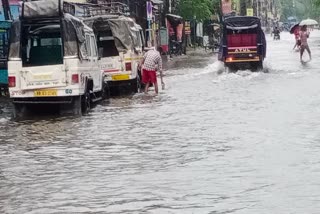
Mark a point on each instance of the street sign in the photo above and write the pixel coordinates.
(187, 27)
(249, 11)
(149, 10)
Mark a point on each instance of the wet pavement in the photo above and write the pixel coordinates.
(210, 143)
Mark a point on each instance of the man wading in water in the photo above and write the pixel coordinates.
(150, 64)
(304, 35)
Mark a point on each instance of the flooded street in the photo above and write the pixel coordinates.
(210, 143)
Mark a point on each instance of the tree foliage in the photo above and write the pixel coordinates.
(317, 3)
(302, 9)
(199, 9)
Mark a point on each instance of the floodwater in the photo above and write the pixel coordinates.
(210, 143)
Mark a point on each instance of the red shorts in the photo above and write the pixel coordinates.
(149, 76)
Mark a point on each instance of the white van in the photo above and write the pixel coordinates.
(53, 59)
(120, 43)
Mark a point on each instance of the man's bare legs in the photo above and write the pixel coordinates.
(309, 52)
(156, 88)
(303, 48)
(146, 89)
(301, 52)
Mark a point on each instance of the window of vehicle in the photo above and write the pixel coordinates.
(139, 41)
(94, 46)
(42, 46)
(142, 38)
(88, 45)
(106, 45)
(4, 44)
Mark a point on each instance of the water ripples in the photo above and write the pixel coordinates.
(211, 142)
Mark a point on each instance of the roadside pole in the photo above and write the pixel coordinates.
(149, 24)
(220, 11)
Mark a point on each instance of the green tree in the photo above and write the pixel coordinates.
(300, 8)
(199, 9)
(317, 3)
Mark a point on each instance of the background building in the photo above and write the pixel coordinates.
(266, 10)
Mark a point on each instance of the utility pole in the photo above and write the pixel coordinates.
(257, 8)
(294, 8)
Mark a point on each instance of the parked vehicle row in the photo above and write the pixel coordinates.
(57, 58)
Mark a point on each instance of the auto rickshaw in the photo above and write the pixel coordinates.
(243, 44)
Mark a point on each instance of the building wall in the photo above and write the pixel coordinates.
(14, 9)
(264, 9)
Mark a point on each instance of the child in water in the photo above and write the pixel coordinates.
(297, 37)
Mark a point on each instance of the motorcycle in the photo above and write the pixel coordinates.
(276, 37)
(176, 48)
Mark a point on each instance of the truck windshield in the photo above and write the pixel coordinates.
(42, 46)
(106, 44)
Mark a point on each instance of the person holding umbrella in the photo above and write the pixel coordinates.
(304, 35)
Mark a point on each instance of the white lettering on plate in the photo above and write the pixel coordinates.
(107, 66)
(15, 93)
(242, 50)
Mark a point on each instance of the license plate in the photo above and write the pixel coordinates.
(45, 93)
(107, 66)
(121, 77)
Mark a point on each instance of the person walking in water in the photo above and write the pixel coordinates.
(150, 64)
(297, 38)
(304, 35)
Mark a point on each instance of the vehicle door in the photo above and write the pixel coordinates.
(95, 71)
(136, 53)
(87, 62)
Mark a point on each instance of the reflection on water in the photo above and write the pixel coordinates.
(229, 143)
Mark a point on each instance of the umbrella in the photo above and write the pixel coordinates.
(308, 22)
(293, 28)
